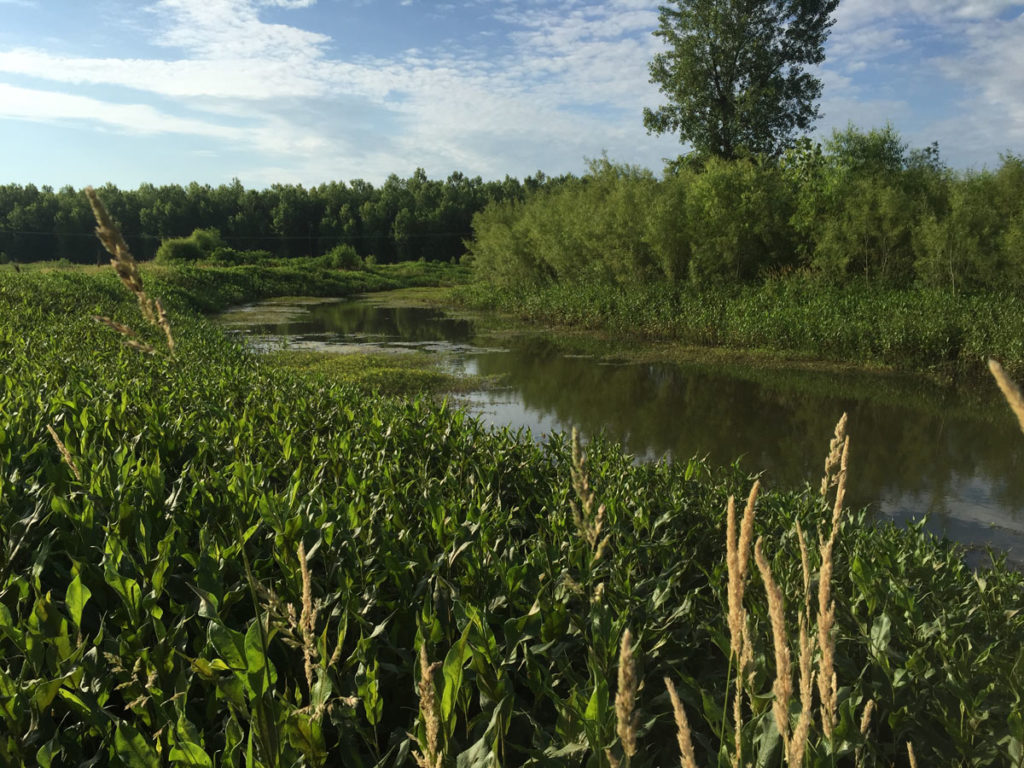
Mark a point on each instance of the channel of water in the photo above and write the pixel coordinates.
(916, 449)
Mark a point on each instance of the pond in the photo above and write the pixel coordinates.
(917, 449)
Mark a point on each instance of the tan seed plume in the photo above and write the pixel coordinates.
(827, 685)
(589, 521)
(625, 697)
(65, 453)
(737, 555)
(307, 619)
(783, 686)
(430, 754)
(687, 759)
(865, 723)
(834, 454)
(127, 270)
(1010, 391)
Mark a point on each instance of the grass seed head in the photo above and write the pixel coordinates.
(625, 696)
(783, 687)
(834, 456)
(430, 754)
(65, 453)
(687, 759)
(1010, 391)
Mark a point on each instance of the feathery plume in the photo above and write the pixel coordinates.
(127, 270)
(307, 619)
(687, 759)
(737, 556)
(1010, 390)
(865, 723)
(625, 697)
(834, 455)
(783, 687)
(429, 755)
(589, 522)
(65, 453)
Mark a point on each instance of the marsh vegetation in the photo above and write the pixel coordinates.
(208, 560)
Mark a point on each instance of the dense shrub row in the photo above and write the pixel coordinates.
(861, 206)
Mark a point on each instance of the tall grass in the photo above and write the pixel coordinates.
(920, 329)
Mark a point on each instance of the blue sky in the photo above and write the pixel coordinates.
(306, 91)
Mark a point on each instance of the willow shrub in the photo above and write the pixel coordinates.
(737, 219)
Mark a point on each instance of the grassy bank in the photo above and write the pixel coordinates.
(792, 317)
(215, 561)
(399, 374)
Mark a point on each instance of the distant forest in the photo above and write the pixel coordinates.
(401, 220)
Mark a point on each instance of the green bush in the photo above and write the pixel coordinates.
(201, 244)
(178, 250)
(342, 256)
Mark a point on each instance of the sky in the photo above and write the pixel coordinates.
(310, 91)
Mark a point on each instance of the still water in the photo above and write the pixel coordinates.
(916, 449)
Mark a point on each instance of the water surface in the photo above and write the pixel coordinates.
(916, 450)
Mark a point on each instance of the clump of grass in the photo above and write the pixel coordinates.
(796, 737)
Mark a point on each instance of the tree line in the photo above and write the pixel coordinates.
(861, 205)
(400, 220)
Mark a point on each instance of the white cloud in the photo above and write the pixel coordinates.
(216, 29)
(453, 109)
(48, 106)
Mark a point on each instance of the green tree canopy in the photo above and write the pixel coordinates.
(734, 72)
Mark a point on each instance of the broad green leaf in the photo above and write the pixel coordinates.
(44, 693)
(46, 753)
(189, 753)
(230, 645)
(134, 749)
(257, 671)
(452, 671)
(76, 597)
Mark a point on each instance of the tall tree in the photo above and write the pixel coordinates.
(734, 72)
